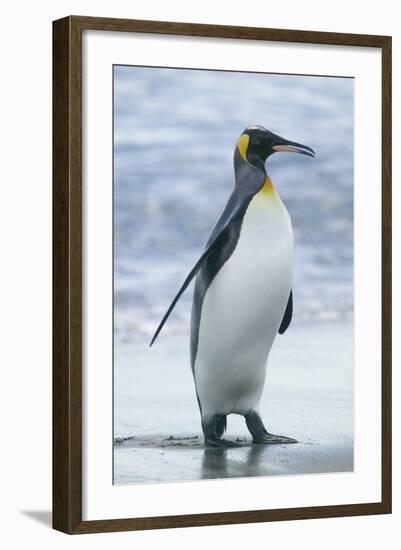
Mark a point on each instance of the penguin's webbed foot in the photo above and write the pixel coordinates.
(213, 428)
(259, 433)
(218, 443)
(267, 438)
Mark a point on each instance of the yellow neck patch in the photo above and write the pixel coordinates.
(268, 187)
(242, 145)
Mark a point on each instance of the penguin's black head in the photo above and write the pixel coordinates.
(256, 144)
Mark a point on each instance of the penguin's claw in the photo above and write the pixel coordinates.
(268, 438)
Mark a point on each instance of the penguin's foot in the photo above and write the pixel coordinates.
(259, 433)
(213, 428)
(266, 439)
(218, 443)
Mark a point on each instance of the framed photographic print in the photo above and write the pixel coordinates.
(222, 274)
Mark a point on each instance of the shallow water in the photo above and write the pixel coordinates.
(175, 132)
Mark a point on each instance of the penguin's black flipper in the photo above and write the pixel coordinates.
(285, 323)
(223, 239)
(215, 244)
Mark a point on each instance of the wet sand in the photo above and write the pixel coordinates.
(308, 395)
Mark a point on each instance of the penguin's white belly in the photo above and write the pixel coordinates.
(242, 310)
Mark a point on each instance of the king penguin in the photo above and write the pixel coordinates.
(243, 293)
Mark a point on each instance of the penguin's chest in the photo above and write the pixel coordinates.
(243, 308)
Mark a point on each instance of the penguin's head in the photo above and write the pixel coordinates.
(256, 144)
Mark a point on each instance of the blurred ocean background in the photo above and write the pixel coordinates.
(174, 136)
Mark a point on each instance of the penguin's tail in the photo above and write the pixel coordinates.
(221, 426)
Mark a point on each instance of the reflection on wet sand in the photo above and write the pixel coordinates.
(247, 461)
